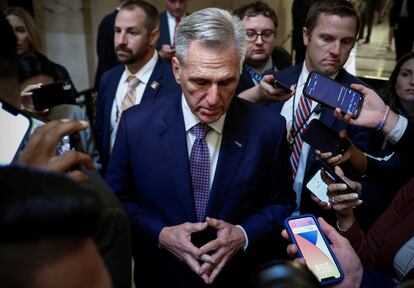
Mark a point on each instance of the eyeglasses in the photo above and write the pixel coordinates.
(266, 35)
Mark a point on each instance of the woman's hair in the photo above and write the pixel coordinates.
(34, 64)
(29, 23)
(389, 92)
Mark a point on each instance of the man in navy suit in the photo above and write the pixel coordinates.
(136, 34)
(248, 182)
(169, 19)
(329, 34)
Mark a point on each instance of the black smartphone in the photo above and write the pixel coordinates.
(330, 172)
(278, 84)
(323, 138)
(14, 130)
(50, 95)
(333, 94)
(305, 232)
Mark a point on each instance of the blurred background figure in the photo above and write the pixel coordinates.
(299, 10)
(28, 39)
(169, 20)
(402, 20)
(35, 70)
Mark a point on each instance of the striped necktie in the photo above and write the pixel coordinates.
(301, 116)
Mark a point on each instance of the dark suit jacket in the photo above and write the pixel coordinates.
(162, 74)
(105, 46)
(366, 139)
(149, 172)
(164, 31)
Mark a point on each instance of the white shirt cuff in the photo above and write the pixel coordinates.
(398, 131)
(245, 237)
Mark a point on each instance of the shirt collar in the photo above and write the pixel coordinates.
(190, 120)
(145, 72)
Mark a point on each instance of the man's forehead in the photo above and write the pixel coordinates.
(336, 22)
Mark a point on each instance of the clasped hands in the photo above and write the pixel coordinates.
(208, 260)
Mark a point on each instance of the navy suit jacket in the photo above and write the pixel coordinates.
(368, 140)
(164, 31)
(149, 172)
(162, 74)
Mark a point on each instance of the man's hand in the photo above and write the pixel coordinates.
(177, 240)
(230, 239)
(167, 52)
(40, 151)
(344, 252)
(266, 92)
(372, 111)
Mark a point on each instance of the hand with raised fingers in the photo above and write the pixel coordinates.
(218, 252)
(177, 240)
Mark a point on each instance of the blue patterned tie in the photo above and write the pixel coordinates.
(200, 170)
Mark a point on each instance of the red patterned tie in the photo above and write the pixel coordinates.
(200, 170)
(299, 124)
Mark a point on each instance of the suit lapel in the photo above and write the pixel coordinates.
(174, 147)
(155, 81)
(232, 148)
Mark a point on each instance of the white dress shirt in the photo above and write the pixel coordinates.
(143, 75)
(171, 27)
(288, 111)
(213, 139)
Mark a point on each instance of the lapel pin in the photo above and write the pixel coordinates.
(154, 85)
(238, 144)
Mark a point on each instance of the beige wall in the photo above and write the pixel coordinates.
(69, 29)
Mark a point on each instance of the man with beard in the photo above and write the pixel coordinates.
(142, 75)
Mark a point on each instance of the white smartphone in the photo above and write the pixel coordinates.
(14, 130)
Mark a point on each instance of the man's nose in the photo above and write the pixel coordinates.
(335, 48)
(213, 95)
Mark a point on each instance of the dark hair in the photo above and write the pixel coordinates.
(150, 10)
(34, 64)
(257, 8)
(391, 97)
(341, 8)
(35, 204)
(8, 51)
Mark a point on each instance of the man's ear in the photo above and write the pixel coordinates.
(306, 36)
(176, 69)
(155, 34)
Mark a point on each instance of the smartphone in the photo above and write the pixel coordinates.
(333, 94)
(278, 84)
(330, 172)
(14, 130)
(305, 232)
(323, 138)
(50, 95)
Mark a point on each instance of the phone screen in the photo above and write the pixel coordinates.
(331, 93)
(314, 248)
(14, 128)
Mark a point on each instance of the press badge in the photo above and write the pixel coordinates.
(318, 187)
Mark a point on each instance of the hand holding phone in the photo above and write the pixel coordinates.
(333, 94)
(312, 245)
(323, 138)
(50, 95)
(280, 85)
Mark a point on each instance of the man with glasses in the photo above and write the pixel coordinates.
(260, 22)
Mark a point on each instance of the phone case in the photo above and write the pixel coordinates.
(287, 227)
(358, 109)
(323, 138)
